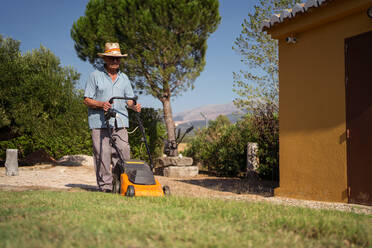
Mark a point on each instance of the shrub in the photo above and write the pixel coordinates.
(265, 125)
(154, 130)
(221, 148)
(40, 107)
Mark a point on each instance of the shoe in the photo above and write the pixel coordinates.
(107, 190)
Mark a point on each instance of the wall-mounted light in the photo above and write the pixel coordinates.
(369, 12)
(291, 39)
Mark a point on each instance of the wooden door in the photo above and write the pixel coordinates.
(358, 59)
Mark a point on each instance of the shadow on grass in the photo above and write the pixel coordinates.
(236, 185)
(83, 186)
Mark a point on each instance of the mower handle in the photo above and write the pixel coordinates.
(134, 99)
(110, 113)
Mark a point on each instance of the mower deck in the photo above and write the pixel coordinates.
(140, 190)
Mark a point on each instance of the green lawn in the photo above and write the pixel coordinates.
(91, 219)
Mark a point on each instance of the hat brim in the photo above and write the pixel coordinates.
(112, 55)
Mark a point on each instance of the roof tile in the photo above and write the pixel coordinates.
(274, 19)
(299, 7)
(286, 13)
(290, 13)
(310, 4)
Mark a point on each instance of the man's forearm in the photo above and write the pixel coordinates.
(93, 103)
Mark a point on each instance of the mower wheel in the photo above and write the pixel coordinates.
(130, 191)
(116, 184)
(166, 190)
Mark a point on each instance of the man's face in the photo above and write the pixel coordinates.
(112, 63)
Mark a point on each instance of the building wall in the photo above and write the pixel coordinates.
(313, 160)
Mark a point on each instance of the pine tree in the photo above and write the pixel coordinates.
(258, 86)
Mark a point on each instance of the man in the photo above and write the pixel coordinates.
(101, 86)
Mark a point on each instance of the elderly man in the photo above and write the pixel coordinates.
(101, 86)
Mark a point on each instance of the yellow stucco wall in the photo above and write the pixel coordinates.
(313, 161)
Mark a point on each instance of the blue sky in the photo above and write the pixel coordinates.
(48, 23)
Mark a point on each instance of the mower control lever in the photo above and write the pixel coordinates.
(111, 113)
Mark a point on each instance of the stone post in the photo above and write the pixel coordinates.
(11, 162)
(252, 158)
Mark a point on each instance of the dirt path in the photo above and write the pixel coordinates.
(83, 177)
(76, 178)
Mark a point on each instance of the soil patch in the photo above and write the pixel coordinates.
(39, 156)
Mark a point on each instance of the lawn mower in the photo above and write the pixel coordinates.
(133, 177)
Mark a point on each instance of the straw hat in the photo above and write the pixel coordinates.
(112, 50)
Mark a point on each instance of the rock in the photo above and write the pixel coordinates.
(76, 160)
(180, 171)
(174, 161)
(11, 163)
(176, 167)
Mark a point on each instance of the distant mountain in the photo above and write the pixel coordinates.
(195, 118)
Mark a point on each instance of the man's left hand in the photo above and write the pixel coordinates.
(136, 107)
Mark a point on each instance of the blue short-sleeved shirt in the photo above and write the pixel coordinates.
(100, 87)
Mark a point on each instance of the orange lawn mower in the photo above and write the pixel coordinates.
(133, 177)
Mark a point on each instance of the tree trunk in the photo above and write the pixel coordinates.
(169, 123)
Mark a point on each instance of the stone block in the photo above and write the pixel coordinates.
(252, 157)
(180, 171)
(174, 161)
(11, 162)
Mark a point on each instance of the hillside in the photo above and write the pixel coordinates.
(194, 117)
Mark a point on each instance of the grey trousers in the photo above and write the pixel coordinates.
(104, 154)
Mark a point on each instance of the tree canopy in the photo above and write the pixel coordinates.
(166, 42)
(258, 86)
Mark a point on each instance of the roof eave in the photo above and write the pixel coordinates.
(311, 16)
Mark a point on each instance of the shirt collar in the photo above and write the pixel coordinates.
(105, 71)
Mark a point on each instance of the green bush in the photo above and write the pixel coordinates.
(40, 107)
(154, 130)
(265, 126)
(221, 148)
